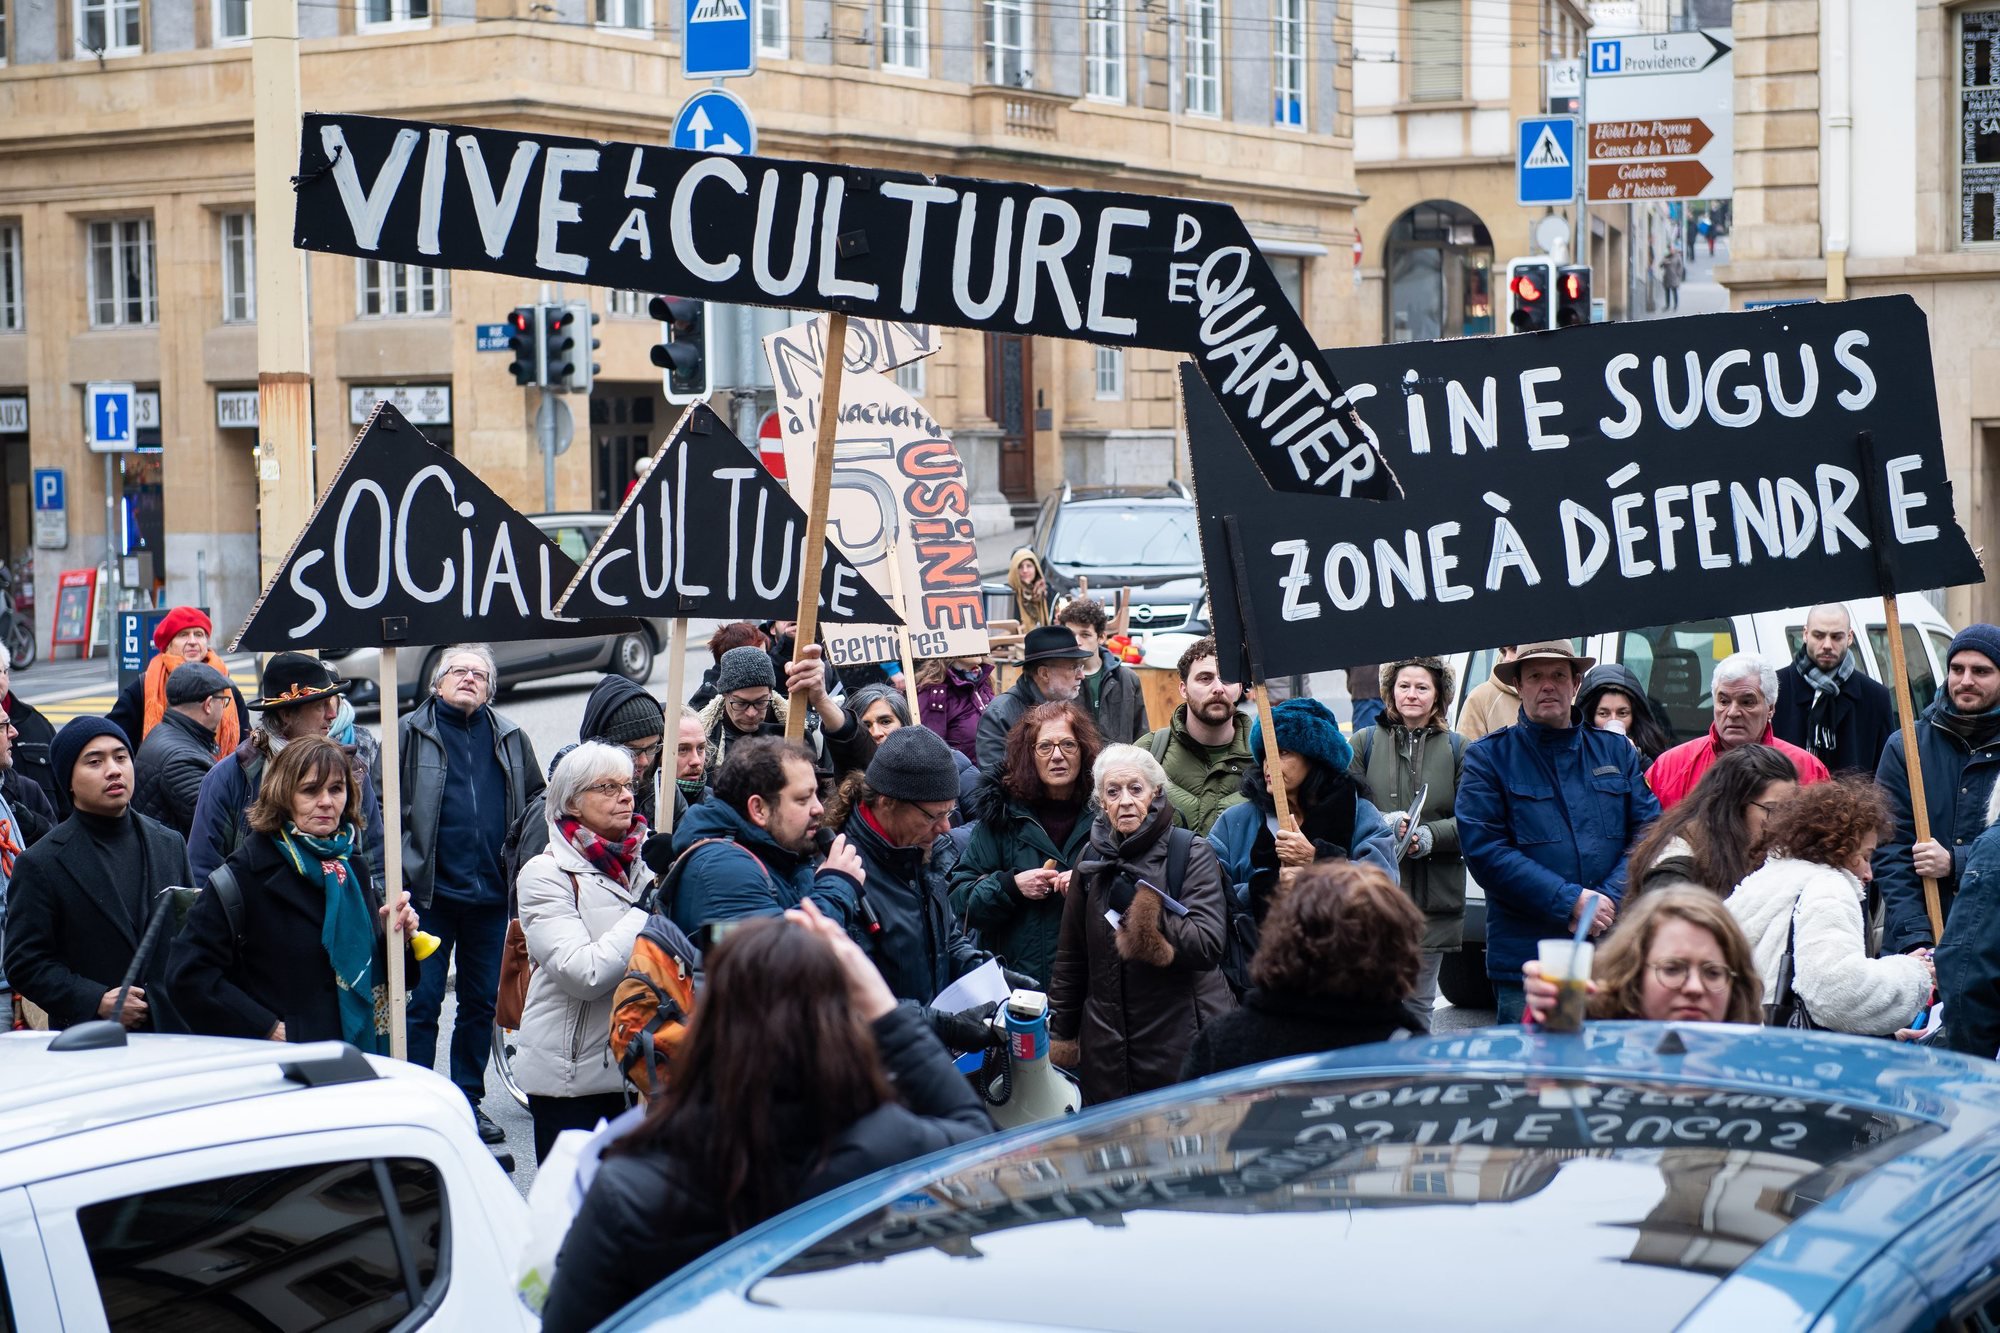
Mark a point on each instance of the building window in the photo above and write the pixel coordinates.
(626, 304)
(1007, 43)
(1437, 51)
(107, 27)
(625, 15)
(910, 378)
(1105, 31)
(388, 15)
(1288, 63)
(903, 39)
(392, 290)
(1979, 127)
(773, 37)
(1201, 52)
(239, 268)
(122, 293)
(232, 22)
(13, 313)
(1110, 373)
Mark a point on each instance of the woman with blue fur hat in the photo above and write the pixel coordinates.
(1331, 815)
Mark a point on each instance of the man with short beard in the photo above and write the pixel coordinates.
(1205, 746)
(1051, 672)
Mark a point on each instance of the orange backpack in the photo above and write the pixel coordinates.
(651, 1008)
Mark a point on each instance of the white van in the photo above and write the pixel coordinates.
(1674, 664)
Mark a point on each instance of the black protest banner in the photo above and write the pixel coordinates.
(1607, 477)
(408, 546)
(708, 532)
(1119, 269)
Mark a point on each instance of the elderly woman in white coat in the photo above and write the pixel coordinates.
(580, 909)
(1808, 895)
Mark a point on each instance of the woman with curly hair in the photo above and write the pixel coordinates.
(1706, 840)
(1676, 955)
(1338, 960)
(1030, 823)
(1806, 898)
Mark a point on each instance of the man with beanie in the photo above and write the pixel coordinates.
(299, 696)
(893, 816)
(1051, 671)
(1826, 704)
(177, 754)
(468, 772)
(748, 702)
(619, 712)
(1546, 814)
(183, 635)
(1958, 744)
(80, 899)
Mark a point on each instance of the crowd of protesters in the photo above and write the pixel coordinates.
(1190, 897)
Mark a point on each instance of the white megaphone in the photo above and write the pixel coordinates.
(1028, 1088)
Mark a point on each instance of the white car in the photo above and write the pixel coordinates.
(202, 1183)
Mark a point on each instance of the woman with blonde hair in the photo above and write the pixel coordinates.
(1675, 955)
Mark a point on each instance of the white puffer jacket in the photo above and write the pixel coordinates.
(1843, 988)
(580, 938)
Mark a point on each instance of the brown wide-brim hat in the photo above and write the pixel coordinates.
(1555, 650)
(291, 679)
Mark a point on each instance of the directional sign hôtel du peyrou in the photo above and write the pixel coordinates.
(1659, 110)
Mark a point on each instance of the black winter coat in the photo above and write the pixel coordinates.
(1864, 716)
(70, 935)
(282, 973)
(168, 769)
(1273, 1026)
(31, 751)
(30, 805)
(918, 947)
(646, 1217)
(130, 710)
(1006, 838)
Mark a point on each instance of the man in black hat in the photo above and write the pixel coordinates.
(298, 696)
(178, 753)
(1051, 671)
(80, 899)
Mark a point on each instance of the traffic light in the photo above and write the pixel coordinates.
(683, 350)
(524, 339)
(1573, 295)
(558, 345)
(1531, 294)
(582, 370)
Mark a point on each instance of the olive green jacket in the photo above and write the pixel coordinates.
(1436, 883)
(1200, 790)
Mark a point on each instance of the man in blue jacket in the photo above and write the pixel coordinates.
(1958, 744)
(756, 857)
(1546, 814)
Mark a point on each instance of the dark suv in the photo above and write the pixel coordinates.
(1137, 537)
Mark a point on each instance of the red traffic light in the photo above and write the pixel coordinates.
(1526, 288)
(521, 320)
(1572, 286)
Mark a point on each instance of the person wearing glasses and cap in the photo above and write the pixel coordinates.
(750, 702)
(178, 753)
(468, 773)
(299, 695)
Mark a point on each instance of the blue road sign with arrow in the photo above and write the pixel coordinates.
(715, 121)
(110, 408)
(1545, 160)
(717, 42)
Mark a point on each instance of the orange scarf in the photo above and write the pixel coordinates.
(227, 733)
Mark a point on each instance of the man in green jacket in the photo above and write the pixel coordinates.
(1206, 747)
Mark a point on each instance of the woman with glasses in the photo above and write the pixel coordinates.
(1030, 823)
(883, 709)
(580, 910)
(1706, 841)
(1677, 955)
(1806, 900)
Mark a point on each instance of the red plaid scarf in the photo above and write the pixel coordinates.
(10, 848)
(610, 858)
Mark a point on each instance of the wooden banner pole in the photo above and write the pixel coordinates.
(1274, 772)
(894, 557)
(1899, 672)
(392, 847)
(670, 736)
(814, 546)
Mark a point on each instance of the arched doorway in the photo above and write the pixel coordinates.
(1440, 266)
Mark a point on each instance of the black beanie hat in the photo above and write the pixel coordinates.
(637, 718)
(75, 734)
(914, 764)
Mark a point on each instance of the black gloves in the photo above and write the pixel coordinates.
(967, 1030)
(1019, 980)
(1123, 890)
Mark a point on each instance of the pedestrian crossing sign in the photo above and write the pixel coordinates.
(1545, 160)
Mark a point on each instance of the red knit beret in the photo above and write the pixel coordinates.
(176, 620)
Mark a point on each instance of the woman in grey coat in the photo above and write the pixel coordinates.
(1408, 750)
(1128, 1000)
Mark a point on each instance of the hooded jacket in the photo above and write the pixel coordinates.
(1958, 780)
(426, 777)
(1843, 988)
(645, 1217)
(754, 877)
(952, 708)
(1007, 838)
(580, 925)
(908, 926)
(1200, 788)
(1031, 609)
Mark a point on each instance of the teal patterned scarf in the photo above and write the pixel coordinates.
(349, 932)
